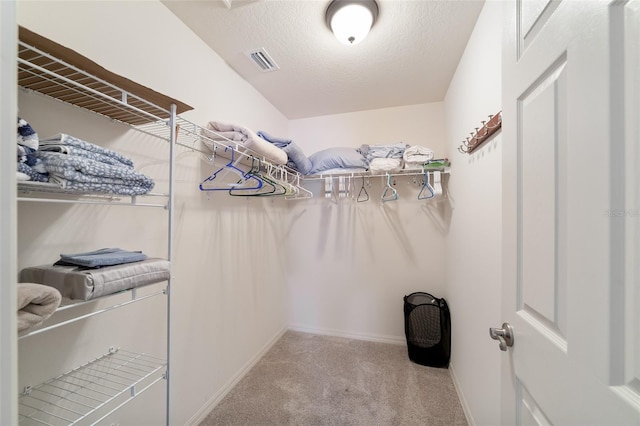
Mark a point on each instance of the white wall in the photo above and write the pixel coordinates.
(351, 263)
(228, 297)
(473, 256)
(413, 124)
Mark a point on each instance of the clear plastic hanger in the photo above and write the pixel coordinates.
(390, 193)
(301, 193)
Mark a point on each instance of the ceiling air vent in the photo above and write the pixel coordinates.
(263, 60)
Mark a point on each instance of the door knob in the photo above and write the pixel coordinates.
(503, 335)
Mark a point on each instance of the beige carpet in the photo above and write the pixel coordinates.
(307, 379)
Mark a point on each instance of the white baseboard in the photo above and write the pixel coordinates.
(202, 413)
(395, 340)
(463, 401)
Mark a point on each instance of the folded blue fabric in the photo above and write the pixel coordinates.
(297, 159)
(33, 174)
(103, 257)
(26, 135)
(279, 142)
(63, 141)
(83, 169)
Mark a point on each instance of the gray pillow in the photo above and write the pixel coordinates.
(334, 158)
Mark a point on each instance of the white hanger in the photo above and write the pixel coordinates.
(437, 185)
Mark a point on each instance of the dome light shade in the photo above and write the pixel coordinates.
(351, 20)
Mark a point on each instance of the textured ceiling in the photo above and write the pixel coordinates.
(409, 56)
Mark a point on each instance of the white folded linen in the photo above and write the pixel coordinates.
(36, 303)
(386, 165)
(218, 131)
(417, 154)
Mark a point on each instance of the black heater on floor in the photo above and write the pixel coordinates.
(427, 327)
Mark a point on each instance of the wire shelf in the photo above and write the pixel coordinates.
(42, 192)
(87, 391)
(73, 304)
(55, 71)
(367, 174)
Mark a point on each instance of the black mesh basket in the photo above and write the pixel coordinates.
(427, 327)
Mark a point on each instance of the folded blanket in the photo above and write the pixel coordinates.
(72, 150)
(216, 131)
(26, 155)
(26, 135)
(382, 151)
(102, 257)
(78, 282)
(85, 170)
(36, 303)
(279, 142)
(29, 167)
(227, 136)
(34, 162)
(418, 154)
(32, 174)
(99, 187)
(61, 140)
(379, 165)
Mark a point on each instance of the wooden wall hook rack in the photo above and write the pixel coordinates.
(482, 134)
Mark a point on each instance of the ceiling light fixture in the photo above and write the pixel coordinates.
(351, 20)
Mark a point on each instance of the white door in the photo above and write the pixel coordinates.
(571, 212)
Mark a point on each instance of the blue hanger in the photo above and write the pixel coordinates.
(244, 177)
(428, 186)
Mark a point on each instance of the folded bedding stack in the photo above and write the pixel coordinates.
(383, 158)
(98, 273)
(415, 157)
(225, 133)
(36, 303)
(29, 166)
(80, 166)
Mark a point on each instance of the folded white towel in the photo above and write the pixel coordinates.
(379, 165)
(36, 303)
(417, 154)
